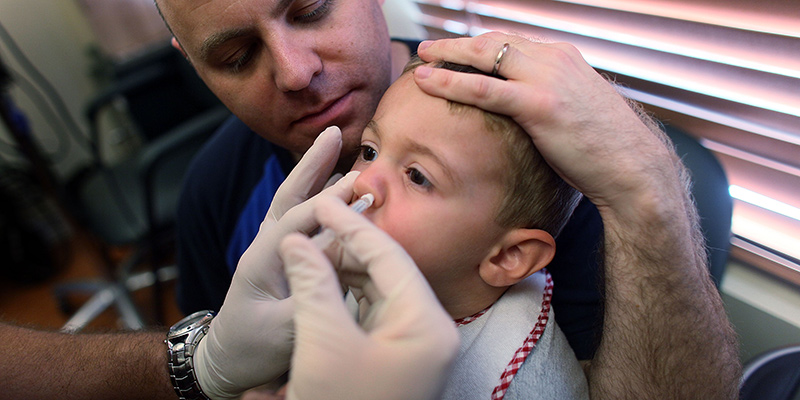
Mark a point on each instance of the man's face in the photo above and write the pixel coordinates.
(437, 181)
(288, 68)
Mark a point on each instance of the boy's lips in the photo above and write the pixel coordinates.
(325, 115)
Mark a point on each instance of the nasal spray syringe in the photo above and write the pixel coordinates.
(326, 236)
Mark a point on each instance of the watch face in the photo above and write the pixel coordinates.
(187, 323)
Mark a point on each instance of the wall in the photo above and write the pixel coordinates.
(400, 16)
(764, 311)
(55, 37)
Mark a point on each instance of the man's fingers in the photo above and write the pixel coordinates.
(479, 52)
(485, 92)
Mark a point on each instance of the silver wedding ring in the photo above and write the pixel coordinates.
(499, 59)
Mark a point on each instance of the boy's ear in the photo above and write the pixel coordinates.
(520, 253)
(175, 44)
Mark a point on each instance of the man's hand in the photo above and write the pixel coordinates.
(250, 341)
(405, 348)
(577, 120)
(665, 332)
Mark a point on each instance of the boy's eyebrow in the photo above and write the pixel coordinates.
(421, 149)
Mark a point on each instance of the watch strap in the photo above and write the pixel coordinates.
(181, 350)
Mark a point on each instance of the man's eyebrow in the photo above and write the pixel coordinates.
(419, 148)
(217, 39)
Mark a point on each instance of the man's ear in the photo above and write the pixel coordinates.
(520, 253)
(178, 46)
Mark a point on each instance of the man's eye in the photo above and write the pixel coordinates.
(418, 178)
(318, 10)
(368, 153)
(241, 60)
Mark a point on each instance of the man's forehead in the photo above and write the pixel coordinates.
(203, 25)
(195, 14)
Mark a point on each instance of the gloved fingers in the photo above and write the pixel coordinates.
(368, 249)
(260, 265)
(310, 174)
(399, 356)
(320, 312)
(227, 364)
(333, 179)
(302, 218)
(361, 285)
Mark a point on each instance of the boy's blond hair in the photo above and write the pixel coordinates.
(535, 196)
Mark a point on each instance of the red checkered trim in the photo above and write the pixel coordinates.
(527, 346)
(463, 321)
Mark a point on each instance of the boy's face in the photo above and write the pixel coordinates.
(437, 178)
(289, 68)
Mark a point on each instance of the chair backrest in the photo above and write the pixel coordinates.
(773, 375)
(711, 194)
(160, 90)
(174, 112)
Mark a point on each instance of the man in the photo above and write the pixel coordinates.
(288, 69)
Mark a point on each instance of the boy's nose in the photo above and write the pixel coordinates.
(371, 181)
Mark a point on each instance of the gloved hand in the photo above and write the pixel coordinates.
(403, 352)
(250, 341)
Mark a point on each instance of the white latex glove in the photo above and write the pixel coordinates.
(250, 341)
(406, 349)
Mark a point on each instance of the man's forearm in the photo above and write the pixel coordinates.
(49, 365)
(666, 334)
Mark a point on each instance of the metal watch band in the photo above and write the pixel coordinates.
(182, 341)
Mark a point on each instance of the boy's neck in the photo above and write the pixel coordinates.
(476, 300)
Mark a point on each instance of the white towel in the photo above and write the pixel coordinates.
(496, 341)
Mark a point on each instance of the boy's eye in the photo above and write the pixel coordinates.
(418, 178)
(368, 153)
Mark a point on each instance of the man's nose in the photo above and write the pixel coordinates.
(295, 65)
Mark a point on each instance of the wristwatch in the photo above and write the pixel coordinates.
(182, 340)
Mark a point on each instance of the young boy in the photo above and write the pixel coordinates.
(475, 205)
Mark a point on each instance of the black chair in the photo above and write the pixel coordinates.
(773, 375)
(711, 194)
(133, 202)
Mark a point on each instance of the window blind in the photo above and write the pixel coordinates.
(727, 72)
